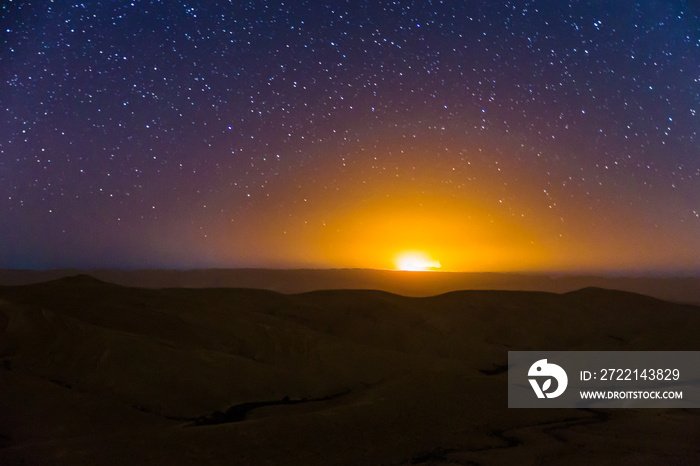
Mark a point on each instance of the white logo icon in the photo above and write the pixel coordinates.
(542, 368)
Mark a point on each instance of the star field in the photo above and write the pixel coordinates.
(527, 135)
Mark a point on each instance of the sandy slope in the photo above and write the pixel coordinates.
(94, 373)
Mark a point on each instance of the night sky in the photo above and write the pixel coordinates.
(487, 136)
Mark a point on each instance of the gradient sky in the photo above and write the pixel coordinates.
(488, 136)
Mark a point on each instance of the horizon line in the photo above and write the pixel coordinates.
(651, 273)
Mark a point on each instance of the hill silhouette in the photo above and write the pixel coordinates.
(685, 289)
(97, 373)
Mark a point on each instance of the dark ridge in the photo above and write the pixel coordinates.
(349, 292)
(590, 290)
(81, 279)
(508, 440)
(61, 383)
(240, 412)
(495, 369)
(490, 292)
(607, 292)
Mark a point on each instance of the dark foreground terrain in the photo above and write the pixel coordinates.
(95, 373)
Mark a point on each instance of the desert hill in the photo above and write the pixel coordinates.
(97, 373)
(682, 288)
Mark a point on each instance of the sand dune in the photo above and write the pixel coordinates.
(96, 373)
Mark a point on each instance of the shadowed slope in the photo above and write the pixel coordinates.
(95, 373)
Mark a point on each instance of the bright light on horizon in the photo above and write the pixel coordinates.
(416, 262)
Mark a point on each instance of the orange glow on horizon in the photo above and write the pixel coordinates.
(416, 262)
(368, 225)
(425, 234)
